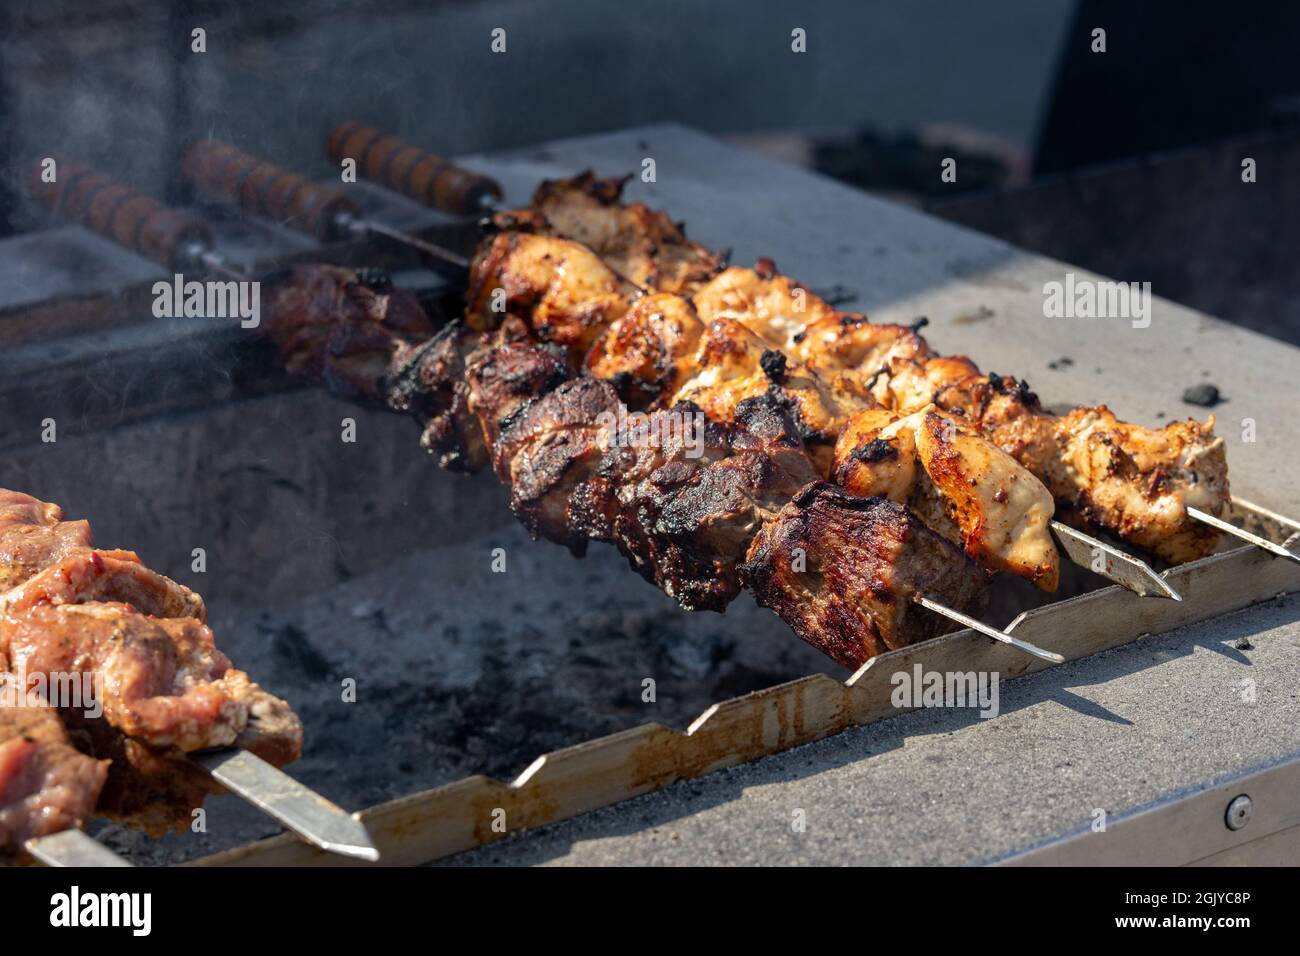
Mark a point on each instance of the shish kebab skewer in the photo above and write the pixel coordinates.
(169, 699)
(630, 236)
(237, 176)
(209, 164)
(746, 509)
(1134, 482)
(178, 241)
(603, 219)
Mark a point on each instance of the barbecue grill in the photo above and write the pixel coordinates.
(311, 538)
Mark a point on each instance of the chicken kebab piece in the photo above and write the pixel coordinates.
(71, 611)
(700, 507)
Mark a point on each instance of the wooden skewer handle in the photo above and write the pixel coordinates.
(409, 170)
(264, 189)
(120, 213)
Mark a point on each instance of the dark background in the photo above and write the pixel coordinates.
(1127, 162)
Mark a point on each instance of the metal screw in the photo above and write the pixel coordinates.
(1239, 812)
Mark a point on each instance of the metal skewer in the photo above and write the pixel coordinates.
(987, 631)
(364, 227)
(1122, 568)
(261, 188)
(1243, 534)
(301, 809)
(72, 848)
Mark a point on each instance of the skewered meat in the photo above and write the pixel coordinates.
(1135, 482)
(734, 364)
(648, 354)
(91, 575)
(683, 498)
(567, 293)
(842, 572)
(339, 326)
(641, 244)
(456, 377)
(965, 488)
(163, 686)
(164, 682)
(46, 784)
(33, 535)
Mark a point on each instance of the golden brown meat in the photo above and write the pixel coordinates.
(567, 295)
(641, 244)
(1135, 482)
(648, 353)
(842, 571)
(33, 535)
(961, 485)
(734, 364)
(772, 306)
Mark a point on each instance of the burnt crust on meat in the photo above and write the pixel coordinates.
(842, 572)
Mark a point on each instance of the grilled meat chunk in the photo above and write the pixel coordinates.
(428, 382)
(772, 306)
(562, 289)
(164, 681)
(86, 576)
(340, 327)
(500, 381)
(548, 449)
(963, 486)
(649, 353)
(683, 496)
(33, 535)
(842, 572)
(734, 364)
(164, 687)
(641, 244)
(1133, 481)
(46, 784)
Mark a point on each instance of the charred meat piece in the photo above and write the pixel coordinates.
(548, 448)
(340, 327)
(842, 572)
(428, 382)
(682, 496)
(734, 364)
(500, 381)
(46, 784)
